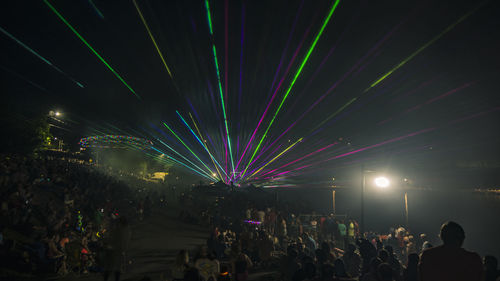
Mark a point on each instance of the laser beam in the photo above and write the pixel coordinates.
(304, 61)
(182, 156)
(207, 5)
(277, 156)
(152, 37)
(198, 139)
(185, 145)
(177, 161)
(40, 57)
(206, 147)
(90, 47)
(419, 50)
(301, 158)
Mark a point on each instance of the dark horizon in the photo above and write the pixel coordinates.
(405, 88)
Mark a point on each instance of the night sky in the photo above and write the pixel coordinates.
(407, 87)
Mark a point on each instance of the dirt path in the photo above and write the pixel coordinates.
(155, 242)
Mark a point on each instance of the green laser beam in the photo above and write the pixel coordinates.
(207, 5)
(223, 105)
(419, 50)
(299, 70)
(434, 39)
(90, 47)
(209, 17)
(178, 138)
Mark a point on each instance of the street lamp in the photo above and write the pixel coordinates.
(381, 182)
(55, 113)
(333, 196)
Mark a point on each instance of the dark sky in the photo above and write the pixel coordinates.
(450, 87)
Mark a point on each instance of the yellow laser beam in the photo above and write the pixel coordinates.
(277, 156)
(152, 38)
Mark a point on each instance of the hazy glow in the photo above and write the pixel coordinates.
(382, 182)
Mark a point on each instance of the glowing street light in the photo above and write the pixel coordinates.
(58, 113)
(382, 182)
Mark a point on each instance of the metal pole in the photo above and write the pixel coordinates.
(406, 208)
(363, 183)
(333, 201)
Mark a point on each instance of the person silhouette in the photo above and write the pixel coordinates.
(450, 262)
(491, 272)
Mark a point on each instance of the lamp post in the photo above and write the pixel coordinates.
(406, 183)
(406, 209)
(363, 186)
(381, 182)
(333, 196)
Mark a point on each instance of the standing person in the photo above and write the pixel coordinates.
(266, 247)
(248, 214)
(339, 269)
(394, 262)
(281, 230)
(343, 232)
(208, 266)
(371, 275)
(491, 272)
(367, 252)
(118, 242)
(56, 255)
(450, 262)
(384, 272)
(180, 266)
(289, 264)
(261, 215)
(352, 261)
(351, 232)
(272, 221)
(410, 273)
(293, 229)
(330, 225)
(241, 263)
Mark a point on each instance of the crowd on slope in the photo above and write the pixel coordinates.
(61, 216)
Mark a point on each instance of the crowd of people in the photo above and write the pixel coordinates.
(266, 236)
(60, 216)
